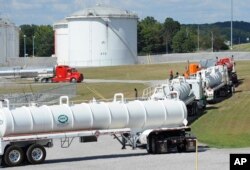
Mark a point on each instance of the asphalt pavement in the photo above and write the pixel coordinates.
(107, 154)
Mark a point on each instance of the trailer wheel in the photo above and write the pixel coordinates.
(36, 154)
(73, 80)
(13, 156)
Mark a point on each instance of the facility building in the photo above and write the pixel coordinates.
(97, 36)
(9, 40)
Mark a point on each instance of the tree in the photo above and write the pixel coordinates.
(170, 28)
(44, 43)
(149, 32)
(183, 41)
(28, 31)
(44, 40)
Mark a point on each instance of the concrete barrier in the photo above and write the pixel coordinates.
(149, 59)
(193, 57)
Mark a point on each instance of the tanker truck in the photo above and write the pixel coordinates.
(227, 61)
(60, 73)
(26, 131)
(216, 82)
(190, 91)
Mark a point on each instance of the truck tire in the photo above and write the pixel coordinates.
(153, 145)
(13, 156)
(44, 80)
(73, 80)
(49, 80)
(149, 145)
(36, 154)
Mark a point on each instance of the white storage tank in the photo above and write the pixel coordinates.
(62, 41)
(99, 36)
(9, 40)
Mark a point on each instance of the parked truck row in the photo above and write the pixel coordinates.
(157, 121)
(201, 83)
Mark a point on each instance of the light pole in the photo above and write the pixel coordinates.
(33, 42)
(212, 41)
(198, 38)
(231, 24)
(24, 46)
(166, 46)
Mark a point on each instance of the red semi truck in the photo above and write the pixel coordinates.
(61, 73)
(65, 73)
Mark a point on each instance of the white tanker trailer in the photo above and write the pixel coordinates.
(216, 82)
(26, 131)
(37, 73)
(188, 90)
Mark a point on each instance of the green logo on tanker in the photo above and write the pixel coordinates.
(63, 119)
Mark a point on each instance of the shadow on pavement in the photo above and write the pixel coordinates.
(93, 158)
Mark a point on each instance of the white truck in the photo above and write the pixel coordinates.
(26, 131)
(190, 91)
(216, 82)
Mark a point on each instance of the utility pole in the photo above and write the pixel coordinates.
(231, 25)
(212, 41)
(198, 38)
(33, 40)
(24, 46)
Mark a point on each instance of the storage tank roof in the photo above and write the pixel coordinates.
(100, 11)
(5, 21)
(61, 22)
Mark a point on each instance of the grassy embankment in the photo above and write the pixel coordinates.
(137, 72)
(242, 47)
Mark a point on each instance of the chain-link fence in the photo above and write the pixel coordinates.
(40, 94)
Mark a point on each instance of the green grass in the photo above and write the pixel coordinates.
(25, 87)
(242, 47)
(133, 72)
(106, 90)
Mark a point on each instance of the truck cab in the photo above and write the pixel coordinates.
(65, 73)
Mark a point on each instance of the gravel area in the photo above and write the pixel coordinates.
(107, 154)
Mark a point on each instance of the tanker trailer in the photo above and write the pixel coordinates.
(38, 74)
(28, 130)
(216, 82)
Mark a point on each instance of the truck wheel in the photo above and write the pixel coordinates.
(149, 145)
(13, 156)
(36, 154)
(73, 80)
(153, 145)
(44, 80)
(49, 80)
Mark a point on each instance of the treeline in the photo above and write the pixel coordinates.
(172, 37)
(153, 37)
(42, 36)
